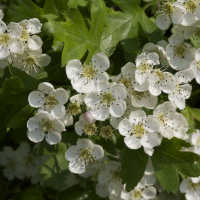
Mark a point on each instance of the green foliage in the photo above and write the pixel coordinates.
(168, 160)
(34, 194)
(134, 163)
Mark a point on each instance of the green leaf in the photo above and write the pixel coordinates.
(34, 194)
(82, 181)
(56, 170)
(168, 160)
(74, 33)
(126, 27)
(134, 163)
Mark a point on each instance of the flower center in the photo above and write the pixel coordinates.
(89, 72)
(126, 82)
(90, 129)
(51, 101)
(29, 60)
(4, 39)
(143, 67)
(161, 118)
(180, 50)
(178, 89)
(191, 5)
(47, 125)
(198, 141)
(107, 98)
(74, 108)
(106, 132)
(198, 65)
(159, 73)
(86, 154)
(24, 35)
(168, 8)
(136, 194)
(138, 131)
(197, 32)
(137, 94)
(193, 185)
(116, 175)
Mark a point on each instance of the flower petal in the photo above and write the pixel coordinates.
(34, 42)
(132, 142)
(36, 99)
(43, 60)
(35, 136)
(53, 137)
(118, 108)
(101, 62)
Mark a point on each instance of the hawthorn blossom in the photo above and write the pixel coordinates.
(140, 130)
(191, 187)
(182, 90)
(141, 192)
(31, 61)
(49, 99)
(43, 125)
(107, 99)
(179, 54)
(9, 39)
(193, 31)
(83, 154)
(102, 190)
(168, 13)
(195, 66)
(195, 141)
(85, 77)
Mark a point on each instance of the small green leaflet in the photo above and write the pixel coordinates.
(34, 194)
(134, 163)
(168, 160)
(74, 33)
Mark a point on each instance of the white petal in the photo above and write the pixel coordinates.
(137, 116)
(132, 142)
(139, 77)
(34, 26)
(43, 60)
(73, 68)
(16, 46)
(101, 62)
(125, 127)
(140, 59)
(58, 111)
(34, 42)
(1, 14)
(79, 126)
(14, 30)
(150, 179)
(35, 136)
(176, 38)
(104, 177)
(177, 16)
(149, 193)
(128, 69)
(163, 21)
(77, 166)
(104, 87)
(91, 99)
(151, 140)
(149, 151)
(98, 152)
(53, 137)
(195, 137)
(71, 152)
(184, 186)
(101, 190)
(188, 19)
(101, 113)
(115, 187)
(86, 143)
(3, 27)
(33, 123)
(46, 87)
(58, 125)
(152, 124)
(154, 88)
(153, 58)
(36, 99)
(118, 108)
(102, 76)
(61, 95)
(119, 91)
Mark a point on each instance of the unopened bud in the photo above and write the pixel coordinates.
(88, 117)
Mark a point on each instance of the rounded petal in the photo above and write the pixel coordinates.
(73, 68)
(77, 166)
(91, 99)
(79, 127)
(195, 137)
(36, 99)
(58, 111)
(4, 52)
(71, 152)
(101, 190)
(33, 123)
(58, 125)
(177, 16)
(132, 142)
(139, 77)
(176, 38)
(46, 87)
(16, 46)
(151, 140)
(3, 27)
(163, 22)
(85, 143)
(149, 193)
(101, 62)
(34, 26)
(119, 91)
(104, 177)
(128, 69)
(154, 88)
(101, 113)
(35, 136)
(61, 95)
(14, 30)
(43, 60)
(34, 42)
(104, 87)
(53, 137)
(97, 152)
(140, 59)
(153, 58)
(188, 19)
(152, 124)
(125, 127)
(184, 186)
(137, 116)
(102, 76)
(118, 108)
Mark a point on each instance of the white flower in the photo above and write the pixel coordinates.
(140, 192)
(169, 12)
(140, 130)
(195, 141)
(191, 10)
(9, 42)
(106, 100)
(114, 121)
(159, 49)
(84, 77)
(49, 99)
(170, 120)
(31, 61)
(193, 31)
(140, 99)
(182, 91)
(102, 190)
(45, 125)
(115, 197)
(149, 175)
(30, 27)
(190, 188)
(1, 15)
(10, 160)
(195, 66)
(144, 65)
(82, 126)
(179, 53)
(83, 154)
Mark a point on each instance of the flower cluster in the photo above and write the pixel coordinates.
(21, 47)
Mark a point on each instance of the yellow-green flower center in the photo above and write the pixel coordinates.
(90, 129)
(138, 131)
(29, 60)
(74, 108)
(107, 98)
(161, 118)
(197, 32)
(191, 5)
(136, 194)
(106, 132)
(47, 125)
(180, 50)
(86, 154)
(137, 94)
(51, 101)
(168, 8)
(159, 73)
(89, 72)
(143, 67)
(116, 175)
(193, 185)
(4, 39)
(24, 35)
(126, 82)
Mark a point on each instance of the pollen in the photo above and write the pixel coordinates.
(51, 101)
(90, 129)
(137, 94)
(24, 35)
(47, 125)
(74, 108)
(4, 39)
(138, 131)
(86, 154)
(159, 73)
(89, 72)
(191, 5)
(143, 67)
(161, 117)
(107, 98)
(106, 132)
(180, 50)
(168, 8)
(29, 60)
(136, 194)
(126, 82)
